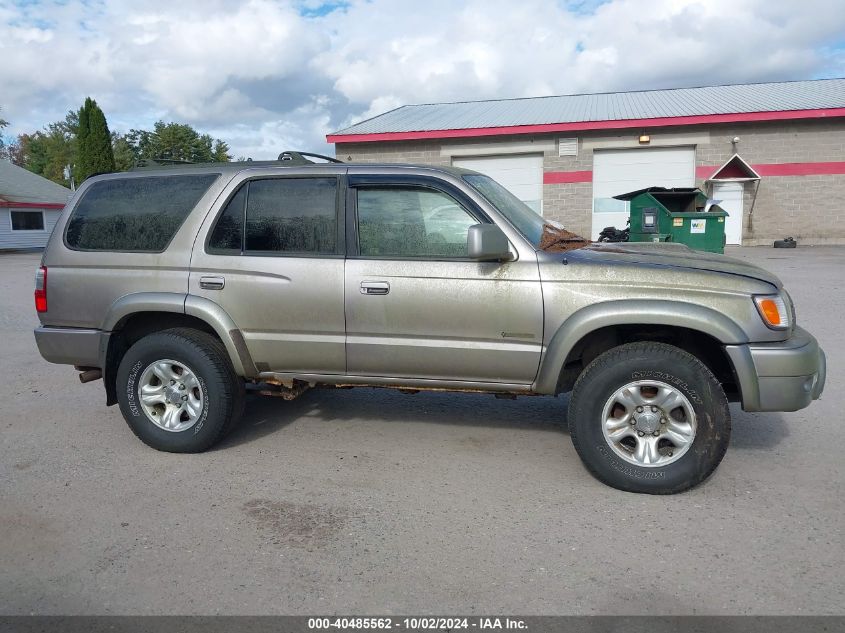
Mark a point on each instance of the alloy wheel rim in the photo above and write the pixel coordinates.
(649, 423)
(170, 395)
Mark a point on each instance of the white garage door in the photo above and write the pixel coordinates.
(522, 175)
(621, 171)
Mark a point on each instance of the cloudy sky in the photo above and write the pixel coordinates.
(267, 75)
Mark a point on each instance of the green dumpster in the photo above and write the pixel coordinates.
(676, 215)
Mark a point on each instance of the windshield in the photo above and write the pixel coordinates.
(523, 218)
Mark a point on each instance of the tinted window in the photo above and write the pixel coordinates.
(228, 233)
(411, 222)
(292, 215)
(27, 221)
(134, 214)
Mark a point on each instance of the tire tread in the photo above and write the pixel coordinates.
(218, 358)
(622, 352)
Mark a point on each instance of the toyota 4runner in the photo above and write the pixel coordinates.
(178, 286)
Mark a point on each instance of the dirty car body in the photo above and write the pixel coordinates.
(409, 277)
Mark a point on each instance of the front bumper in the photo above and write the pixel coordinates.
(72, 346)
(783, 376)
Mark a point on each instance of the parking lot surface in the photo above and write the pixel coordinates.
(375, 502)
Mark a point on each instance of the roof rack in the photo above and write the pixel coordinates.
(288, 158)
(290, 155)
(161, 162)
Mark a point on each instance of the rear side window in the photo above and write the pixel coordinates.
(228, 234)
(134, 214)
(279, 216)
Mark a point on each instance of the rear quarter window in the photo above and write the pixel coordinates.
(134, 214)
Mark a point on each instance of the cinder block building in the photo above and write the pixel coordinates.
(773, 153)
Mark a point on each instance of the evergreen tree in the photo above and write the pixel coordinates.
(221, 152)
(80, 164)
(94, 148)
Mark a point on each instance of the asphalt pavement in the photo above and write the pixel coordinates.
(375, 502)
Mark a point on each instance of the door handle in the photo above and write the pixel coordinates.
(375, 287)
(212, 283)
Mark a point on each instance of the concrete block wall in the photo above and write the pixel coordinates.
(810, 208)
(421, 152)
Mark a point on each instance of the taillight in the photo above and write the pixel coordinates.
(41, 290)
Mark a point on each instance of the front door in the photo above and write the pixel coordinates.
(273, 260)
(729, 197)
(418, 307)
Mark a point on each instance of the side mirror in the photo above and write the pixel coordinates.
(487, 242)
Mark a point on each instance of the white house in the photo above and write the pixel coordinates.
(29, 207)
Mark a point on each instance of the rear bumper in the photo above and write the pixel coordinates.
(783, 376)
(72, 346)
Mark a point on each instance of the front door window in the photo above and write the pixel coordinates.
(411, 222)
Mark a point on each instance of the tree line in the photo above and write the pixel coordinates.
(81, 145)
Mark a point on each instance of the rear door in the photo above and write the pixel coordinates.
(417, 306)
(271, 255)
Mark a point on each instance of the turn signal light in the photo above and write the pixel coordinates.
(772, 310)
(41, 290)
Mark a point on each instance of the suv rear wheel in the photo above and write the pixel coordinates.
(649, 417)
(178, 391)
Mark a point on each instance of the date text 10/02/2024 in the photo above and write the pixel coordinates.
(417, 623)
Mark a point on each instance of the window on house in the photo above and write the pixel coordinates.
(27, 220)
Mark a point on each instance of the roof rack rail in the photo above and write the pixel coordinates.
(287, 158)
(290, 155)
(162, 162)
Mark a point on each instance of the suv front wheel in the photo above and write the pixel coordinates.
(649, 417)
(178, 391)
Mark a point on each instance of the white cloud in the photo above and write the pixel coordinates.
(270, 75)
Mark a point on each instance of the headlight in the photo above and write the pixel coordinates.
(772, 309)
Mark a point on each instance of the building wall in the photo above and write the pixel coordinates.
(10, 239)
(807, 207)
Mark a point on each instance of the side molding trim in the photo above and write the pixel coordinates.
(199, 307)
(630, 312)
(142, 302)
(746, 376)
(226, 329)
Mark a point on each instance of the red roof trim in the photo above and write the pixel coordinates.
(32, 205)
(588, 125)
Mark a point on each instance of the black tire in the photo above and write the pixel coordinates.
(206, 356)
(671, 366)
(787, 243)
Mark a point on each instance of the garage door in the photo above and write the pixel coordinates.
(522, 175)
(621, 171)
